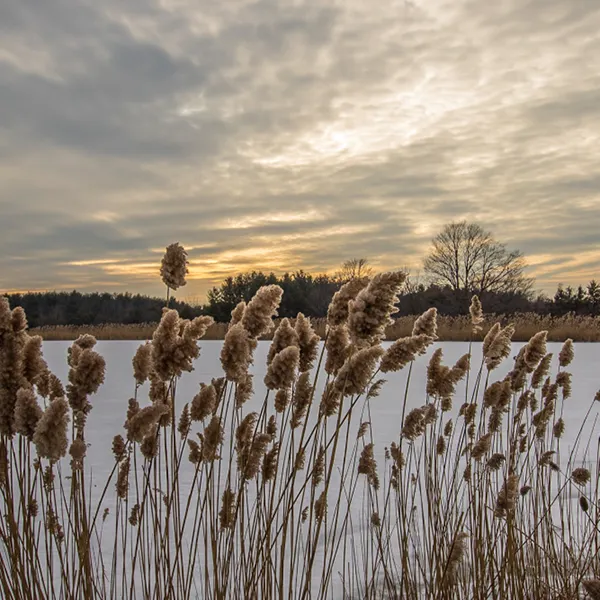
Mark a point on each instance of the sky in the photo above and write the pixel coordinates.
(289, 134)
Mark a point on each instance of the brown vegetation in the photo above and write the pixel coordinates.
(455, 329)
(476, 496)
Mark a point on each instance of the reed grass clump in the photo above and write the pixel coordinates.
(294, 493)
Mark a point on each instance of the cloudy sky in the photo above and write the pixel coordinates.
(287, 134)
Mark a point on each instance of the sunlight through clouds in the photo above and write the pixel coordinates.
(287, 134)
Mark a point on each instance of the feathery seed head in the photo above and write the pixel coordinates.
(370, 312)
(50, 437)
(356, 372)
(258, 315)
(142, 363)
(174, 266)
(308, 342)
(337, 346)
(476, 312)
(27, 413)
(236, 353)
(204, 402)
(581, 476)
(337, 313)
(426, 324)
(285, 336)
(282, 370)
(535, 350)
(403, 351)
(566, 354)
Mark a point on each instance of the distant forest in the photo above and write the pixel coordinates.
(303, 292)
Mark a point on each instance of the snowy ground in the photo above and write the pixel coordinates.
(110, 404)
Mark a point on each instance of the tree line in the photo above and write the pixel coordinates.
(303, 292)
(464, 259)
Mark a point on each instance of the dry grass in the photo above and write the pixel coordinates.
(578, 328)
(290, 495)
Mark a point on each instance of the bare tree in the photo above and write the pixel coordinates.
(469, 259)
(355, 268)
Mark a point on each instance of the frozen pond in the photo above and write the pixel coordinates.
(110, 404)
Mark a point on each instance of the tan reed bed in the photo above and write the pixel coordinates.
(457, 329)
(210, 499)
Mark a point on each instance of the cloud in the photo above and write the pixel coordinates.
(278, 134)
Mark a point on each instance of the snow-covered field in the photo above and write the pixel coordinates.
(110, 404)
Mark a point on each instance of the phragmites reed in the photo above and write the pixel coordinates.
(149, 444)
(243, 389)
(27, 413)
(507, 497)
(581, 476)
(86, 373)
(535, 349)
(541, 371)
(319, 467)
(282, 399)
(308, 342)
(490, 337)
(119, 447)
(195, 455)
(255, 454)
(476, 312)
(282, 370)
(174, 266)
(123, 479)
(370, 312)
(356, 372)
(285, 336)
(320, 506)
(337, 346)
(204, 402)
(495, 461)
(414, 424)
(441, 380)
(499, 347)
(33, 365)
(142, 421)
(563, 380)
(174, 344)
(142, 363)
(50, 437)
(441, 445)
(367, 465)
(426, 324)
(481, 447)
(448, 428)
(559, 428)
(455, 558)
(337, 314)
(259, 313)
(404, 351)
(213, 438)
(236, 353)
(237, 313)
(185, 421)
(269, 467)
(13, 338)
(272, 427)
(301, 399)
(227, 512)
(77, 451)
(566, 354)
